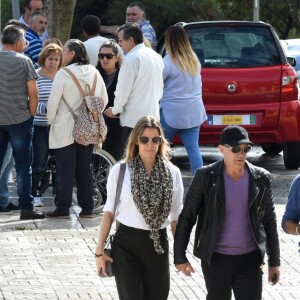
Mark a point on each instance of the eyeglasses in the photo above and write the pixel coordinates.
(238, 149)
(156, 140)
(107, 55)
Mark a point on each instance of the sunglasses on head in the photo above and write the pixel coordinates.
(238, 149)
(107, 55)
(156, 140)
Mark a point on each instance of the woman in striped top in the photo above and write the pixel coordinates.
(50, 61)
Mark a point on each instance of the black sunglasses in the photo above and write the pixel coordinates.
(156, 140)
(107, 55)
(238, 149)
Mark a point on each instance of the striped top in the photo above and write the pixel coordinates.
(44, 85)
(35, 45)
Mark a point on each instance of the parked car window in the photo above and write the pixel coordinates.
(232, 47)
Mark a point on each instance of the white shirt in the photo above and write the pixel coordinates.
(127, 212)
(92, 47)
(140, 86)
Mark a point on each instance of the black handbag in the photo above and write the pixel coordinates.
(108, 265)
(107, 247)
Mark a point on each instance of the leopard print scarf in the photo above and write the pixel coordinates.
(152, 194)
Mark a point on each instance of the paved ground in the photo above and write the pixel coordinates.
(53, 259)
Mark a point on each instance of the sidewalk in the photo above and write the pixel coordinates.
(53, 259)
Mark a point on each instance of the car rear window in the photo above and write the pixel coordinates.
(234, 47)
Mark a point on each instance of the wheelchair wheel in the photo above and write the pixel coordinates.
(102, 162)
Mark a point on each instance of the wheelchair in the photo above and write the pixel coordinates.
(101, 164)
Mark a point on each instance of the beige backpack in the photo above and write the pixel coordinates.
(90, 127)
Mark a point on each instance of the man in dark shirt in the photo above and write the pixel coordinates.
(232, 202)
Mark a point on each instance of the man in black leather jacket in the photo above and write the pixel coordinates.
(232, 202)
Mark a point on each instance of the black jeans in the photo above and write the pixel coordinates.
(40, 146)
(73, 162)
(240, 273)
(140, 272)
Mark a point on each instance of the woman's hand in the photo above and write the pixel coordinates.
(101, 263)
(105, 226)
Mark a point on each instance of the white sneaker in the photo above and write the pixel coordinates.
(38, 202)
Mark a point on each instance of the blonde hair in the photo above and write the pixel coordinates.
(147, 43)
(180, 50)
(53, 41)
(47, 51)
(132, 149)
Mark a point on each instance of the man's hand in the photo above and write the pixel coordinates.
(274, 275)
(185, 268)
(108, 112)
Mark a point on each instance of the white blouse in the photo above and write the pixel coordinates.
(127, 212)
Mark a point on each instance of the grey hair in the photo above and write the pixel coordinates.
(35, 14)
(81, 56)
(11, 34)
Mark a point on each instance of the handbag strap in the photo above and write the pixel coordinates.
(109, 238)
(92, 92)
(119, 184)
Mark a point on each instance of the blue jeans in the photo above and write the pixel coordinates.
(40, 147)
(20, 137)
(189, 138)
(7, 166)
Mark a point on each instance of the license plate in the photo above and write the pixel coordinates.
(215, 120)
(232, 120)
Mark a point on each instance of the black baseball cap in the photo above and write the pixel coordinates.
(234, 135)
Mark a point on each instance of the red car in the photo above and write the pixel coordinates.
(248, 81)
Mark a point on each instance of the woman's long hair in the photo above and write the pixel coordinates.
(132, 149)
(81, 56)
(180, 50)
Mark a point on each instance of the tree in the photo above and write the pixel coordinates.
(5, 12)
(60, 18)
(87, 7)
(293, 12)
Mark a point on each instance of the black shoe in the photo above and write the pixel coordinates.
(58, 214)
(86, 214)
(27, 214)
(13, 207)
(5, 211)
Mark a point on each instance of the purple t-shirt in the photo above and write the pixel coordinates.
(236, 235)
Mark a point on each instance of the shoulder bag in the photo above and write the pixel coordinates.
(109, 240)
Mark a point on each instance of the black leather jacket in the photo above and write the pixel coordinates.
(205, 202)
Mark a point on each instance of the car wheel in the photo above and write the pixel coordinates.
(272, 148)
(291, 155)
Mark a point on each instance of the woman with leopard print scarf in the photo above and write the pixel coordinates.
(151, 198)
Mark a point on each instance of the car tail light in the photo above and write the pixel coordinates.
(289, 79)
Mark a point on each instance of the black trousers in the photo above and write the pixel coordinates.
(241, 274)
(140, 272)
(125, 135)
(73, 162)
